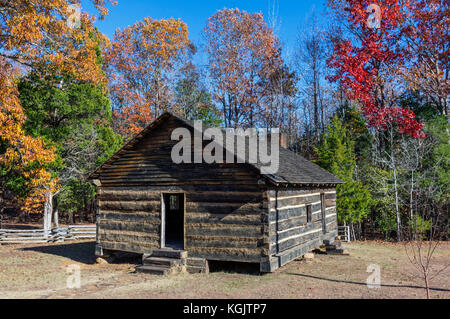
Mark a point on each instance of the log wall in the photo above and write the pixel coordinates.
(224, 204)
(289, 233)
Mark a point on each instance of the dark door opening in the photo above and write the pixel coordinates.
(173, 221)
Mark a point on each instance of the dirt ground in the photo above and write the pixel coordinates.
(40, 271)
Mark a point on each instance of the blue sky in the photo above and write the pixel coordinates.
(292, 14)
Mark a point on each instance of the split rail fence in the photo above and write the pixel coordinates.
(25, 236)
(344, 233)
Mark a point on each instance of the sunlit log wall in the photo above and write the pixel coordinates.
(230, 214)
(290, 234)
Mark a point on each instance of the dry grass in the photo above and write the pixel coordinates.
(39, 271)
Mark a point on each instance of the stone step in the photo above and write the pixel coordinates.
(197, 265)
(169, 253)
(154, 270)
(161, 261)
(340, 251)
(335, 245)
(193, 261)
(196, 269)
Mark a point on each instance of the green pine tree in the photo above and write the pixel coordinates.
(76, 118)
(337, 155)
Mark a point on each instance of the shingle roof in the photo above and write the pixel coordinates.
(293, 168)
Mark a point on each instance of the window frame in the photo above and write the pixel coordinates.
(309, 213)
(174, 202)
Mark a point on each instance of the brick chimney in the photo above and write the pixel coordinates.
(283, 140)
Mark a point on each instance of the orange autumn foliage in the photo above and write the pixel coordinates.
(243, 52)
(24, 155)
(425, 29)
(139, 64)
(33, 34)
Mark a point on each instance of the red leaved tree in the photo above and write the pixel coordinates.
(367, 66)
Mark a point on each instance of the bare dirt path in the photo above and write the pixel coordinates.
(40, 271)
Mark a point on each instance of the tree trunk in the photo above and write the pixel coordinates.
(427, 285)
(394, 167)
(56, 213)
(70, 219)
(397, 211)
(411, 211)
(48, 210)
(1, 207)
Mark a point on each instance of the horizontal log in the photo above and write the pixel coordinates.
(84, 236)
(287, 223)
(290, 254)
(21, 231)
(129, 195)
(330, 202)
(7, 239)
(287, 214)
(192, 186)
(295, 231)
(174, 170)
(23, 234)
(293, 201)
(294, 192)
(149, 206)
(127, 237)
(229, 197)
(80, 226)
(151, 217)
(223, 230)
(226, 219)
(330, 219)
(224, 208)
(294, 241)
(222, 242)
(233, 180)
(330, 196)
(226, 254)
(138, 247)
(144, 227)
(27, 242)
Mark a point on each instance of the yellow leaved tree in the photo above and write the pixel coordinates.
(36, 33)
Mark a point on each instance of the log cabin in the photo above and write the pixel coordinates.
(226, 211)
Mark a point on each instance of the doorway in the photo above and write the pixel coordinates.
(172, 220)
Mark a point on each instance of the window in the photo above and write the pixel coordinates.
(323, 207)
(174, 203)
(309, 213)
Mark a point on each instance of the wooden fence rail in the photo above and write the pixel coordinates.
(25, 236)
(344, 233)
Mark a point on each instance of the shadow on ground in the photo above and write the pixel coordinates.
(364, 284)
(84, 253)
(234, 267)
(79, 252)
